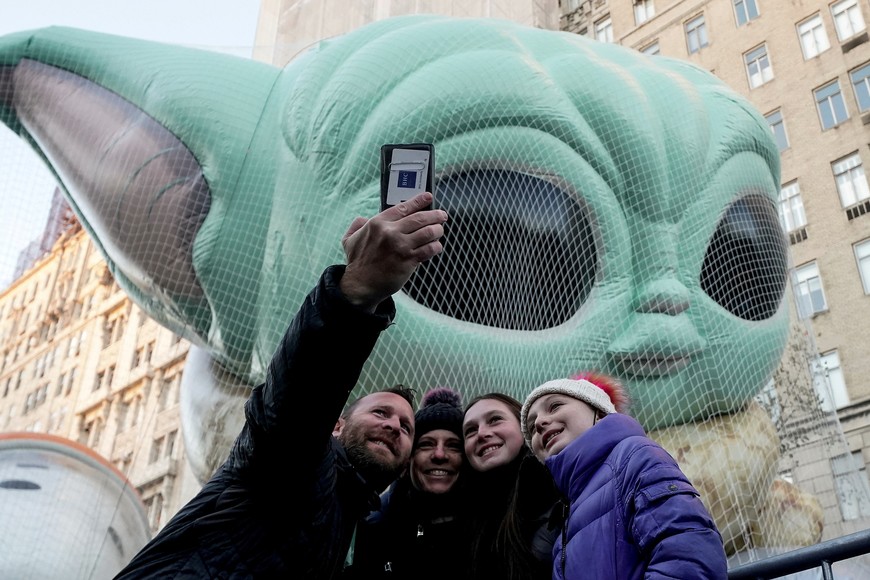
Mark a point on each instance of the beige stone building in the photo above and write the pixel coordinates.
(81, 361)
(806, 67)
(287, 27)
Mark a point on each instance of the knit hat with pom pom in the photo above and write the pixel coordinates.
(441, 408)
(603, 393)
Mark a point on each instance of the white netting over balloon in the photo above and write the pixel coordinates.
(609, 211)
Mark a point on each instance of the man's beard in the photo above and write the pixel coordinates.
(376, 470)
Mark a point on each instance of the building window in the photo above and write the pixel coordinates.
(696, 34)
(123, 408)
(98, 380)
(163, 394)
(41, 393)
(651, 49)
(850, 477)
(829, 382)
(39, 369)
(108, 331)
(156, 446)
(170, 444)
(135, 409)
(758, 66)
(604, 30)
(814, 39)
(862, 254)
(643, 11)
(71, 377)
(847, 18)
(791, 207)
(832, 108)
(745, 10)
(809, 293)
(861, 85)
(119, 329)
(851, 181)
(777, 126)
(154, 508)
(96, 434)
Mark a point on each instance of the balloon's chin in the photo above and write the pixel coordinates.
(212, 412)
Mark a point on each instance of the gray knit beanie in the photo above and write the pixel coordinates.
(441, 408)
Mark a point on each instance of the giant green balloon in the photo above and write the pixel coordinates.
(609, 210)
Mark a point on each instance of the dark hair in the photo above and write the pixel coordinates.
(532, 486)
(406, 393)
(514, 405)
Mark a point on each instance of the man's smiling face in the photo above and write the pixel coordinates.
(377, 435)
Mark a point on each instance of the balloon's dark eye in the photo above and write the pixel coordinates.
(745, 268)
(519, 253)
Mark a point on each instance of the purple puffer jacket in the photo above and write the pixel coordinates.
(633, 513)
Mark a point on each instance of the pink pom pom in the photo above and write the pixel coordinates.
(441, 395)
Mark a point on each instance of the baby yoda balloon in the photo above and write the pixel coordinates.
(608, 210)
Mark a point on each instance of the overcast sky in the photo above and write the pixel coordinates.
(205, 23)
(25, 185)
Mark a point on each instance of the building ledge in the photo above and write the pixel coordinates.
(797, 235)
(854, 41)
(858, 210)
(854, 410)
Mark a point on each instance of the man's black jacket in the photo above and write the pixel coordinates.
(285, 502)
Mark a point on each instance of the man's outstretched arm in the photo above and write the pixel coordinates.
(320, 357)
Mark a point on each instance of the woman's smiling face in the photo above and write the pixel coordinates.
(492, 435)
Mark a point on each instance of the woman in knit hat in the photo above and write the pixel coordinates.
(633, 513)
(419, 533)
(511, 495)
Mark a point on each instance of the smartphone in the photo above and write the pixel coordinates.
(406, 170)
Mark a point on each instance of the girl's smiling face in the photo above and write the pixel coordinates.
(555, 420)
(492, 435)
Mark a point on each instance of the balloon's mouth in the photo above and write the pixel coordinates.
(652, 365)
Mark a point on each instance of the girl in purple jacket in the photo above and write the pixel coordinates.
(633, 513)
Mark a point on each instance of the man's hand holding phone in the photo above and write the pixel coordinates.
(383, 252)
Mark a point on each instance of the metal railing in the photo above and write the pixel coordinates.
(821, 555)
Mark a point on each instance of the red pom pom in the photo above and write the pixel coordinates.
(611, 386)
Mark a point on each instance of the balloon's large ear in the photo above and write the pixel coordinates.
(139, 137)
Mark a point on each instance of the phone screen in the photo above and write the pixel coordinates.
(406, 171)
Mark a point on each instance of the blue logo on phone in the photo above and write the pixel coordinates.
(407, 179)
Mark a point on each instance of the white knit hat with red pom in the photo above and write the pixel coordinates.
(580, 389)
